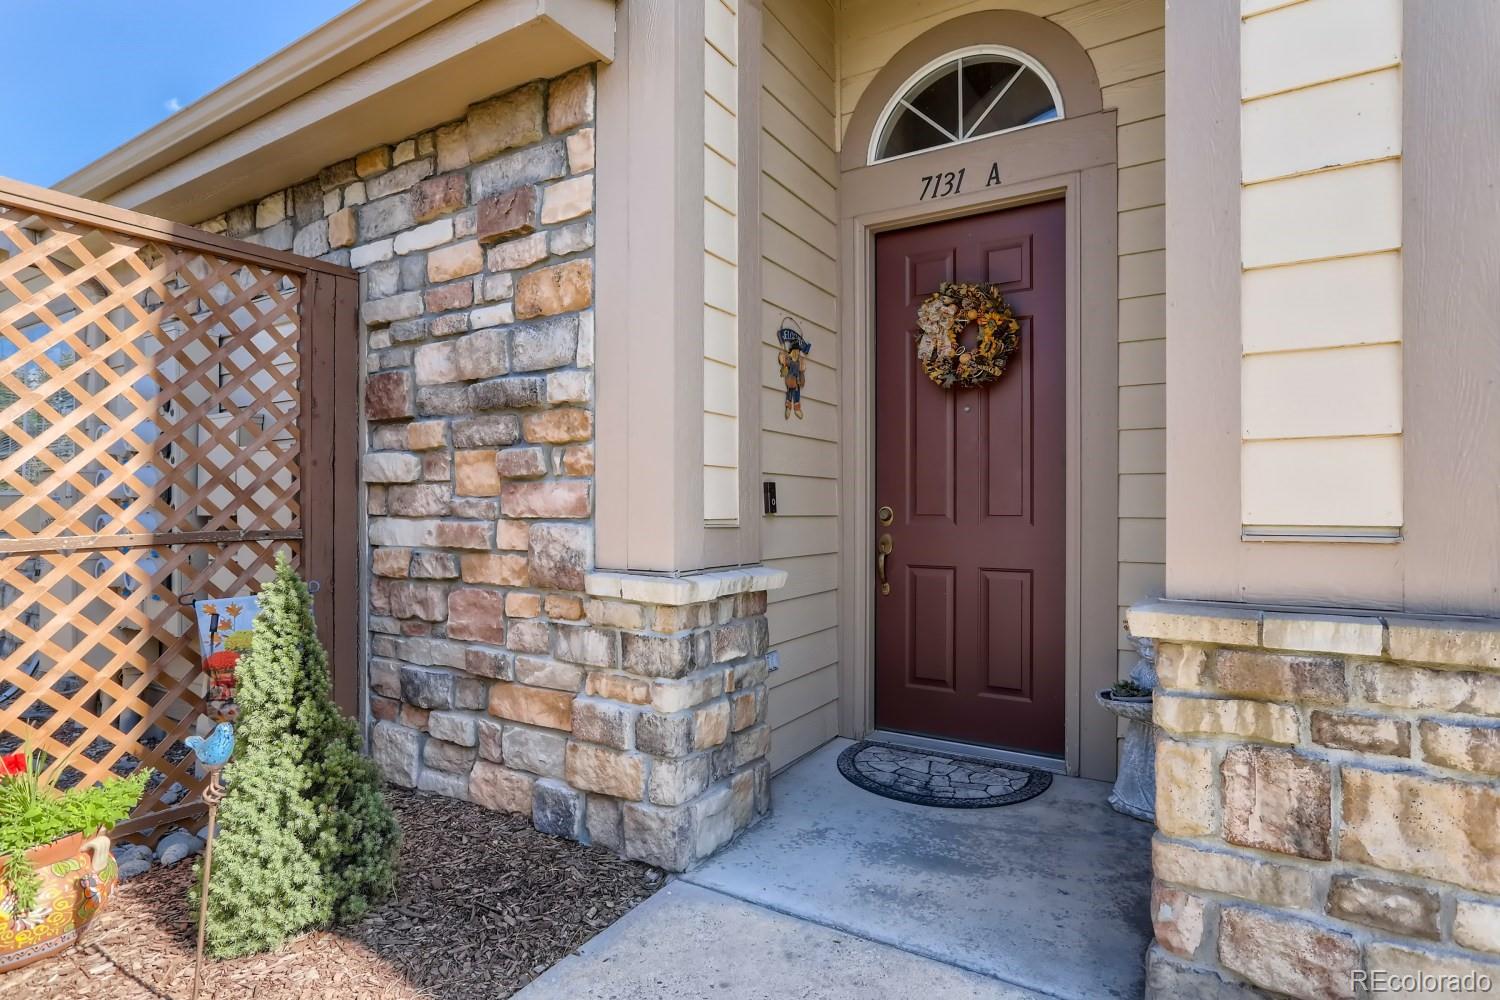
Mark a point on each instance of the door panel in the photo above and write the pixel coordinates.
(1009, 431)
(1005, 621)
(969, 644)
(932, 601)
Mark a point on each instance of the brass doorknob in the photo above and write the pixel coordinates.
(883, 549)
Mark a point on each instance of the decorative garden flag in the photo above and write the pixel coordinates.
(225, 626)
(221, 617)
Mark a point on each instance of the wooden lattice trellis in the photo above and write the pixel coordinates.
(158, 390)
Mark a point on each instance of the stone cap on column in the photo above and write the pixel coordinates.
(1448, 640)
(694, 588)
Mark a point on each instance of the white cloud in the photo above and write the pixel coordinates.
(172, 104)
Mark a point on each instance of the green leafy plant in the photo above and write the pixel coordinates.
(239, 642)
(1128, 689)
(305, 837)
(33, 812)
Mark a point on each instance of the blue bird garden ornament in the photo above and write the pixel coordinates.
(214, 750)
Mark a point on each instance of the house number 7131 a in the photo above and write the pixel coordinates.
(941, 185)
(950, 182)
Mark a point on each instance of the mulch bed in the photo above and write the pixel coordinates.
(483, 905)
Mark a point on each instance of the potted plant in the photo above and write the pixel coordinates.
(1129, 691)
(1134, 793)
(56, 872)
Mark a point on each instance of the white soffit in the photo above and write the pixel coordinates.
(378, 73)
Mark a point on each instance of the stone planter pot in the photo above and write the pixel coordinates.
(1134, 793)
(77, 879)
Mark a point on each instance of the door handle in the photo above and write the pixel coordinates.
(883, 549)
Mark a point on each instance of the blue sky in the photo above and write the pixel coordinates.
(86, 75)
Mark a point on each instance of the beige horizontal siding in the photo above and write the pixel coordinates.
(1321, 198)
(810, 731)
(817, 62)
(1126, 40)
(1131, 71)
(800, 277)
(721, 461)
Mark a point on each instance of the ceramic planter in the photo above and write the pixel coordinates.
(77, 879)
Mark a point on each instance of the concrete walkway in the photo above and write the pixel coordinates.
(843, 893)
(690, 943)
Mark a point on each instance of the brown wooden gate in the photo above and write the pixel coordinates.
(175, 408)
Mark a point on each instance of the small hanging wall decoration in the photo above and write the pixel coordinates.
(793, 360)
(945, 314)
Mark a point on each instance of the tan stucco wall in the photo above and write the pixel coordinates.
(662, 149)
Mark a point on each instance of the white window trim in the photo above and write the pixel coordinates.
(898, 98)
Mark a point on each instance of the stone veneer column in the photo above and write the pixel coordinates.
(631, 712)
(669, 738)
(641, 727)
(1328, 802)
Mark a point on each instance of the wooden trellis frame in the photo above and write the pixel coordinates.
(175, 408)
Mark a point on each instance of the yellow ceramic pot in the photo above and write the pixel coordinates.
(77, 878)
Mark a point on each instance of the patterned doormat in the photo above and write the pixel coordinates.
(929, 778)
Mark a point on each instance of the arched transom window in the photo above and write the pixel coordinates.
(966, 95)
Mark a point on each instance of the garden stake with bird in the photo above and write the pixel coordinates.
(213, 753)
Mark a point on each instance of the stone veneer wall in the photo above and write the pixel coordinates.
(1328, 802)
(492, 675)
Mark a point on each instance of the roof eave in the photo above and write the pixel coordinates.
(376, 73)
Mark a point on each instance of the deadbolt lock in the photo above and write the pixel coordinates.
(886, 516)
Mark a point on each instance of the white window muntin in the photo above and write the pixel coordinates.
(898, 99)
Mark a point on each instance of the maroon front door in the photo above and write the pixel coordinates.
(969, 641)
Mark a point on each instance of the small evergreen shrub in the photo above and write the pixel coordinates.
(33, 812)
(305, 838)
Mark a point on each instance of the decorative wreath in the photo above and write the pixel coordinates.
(946, 314)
